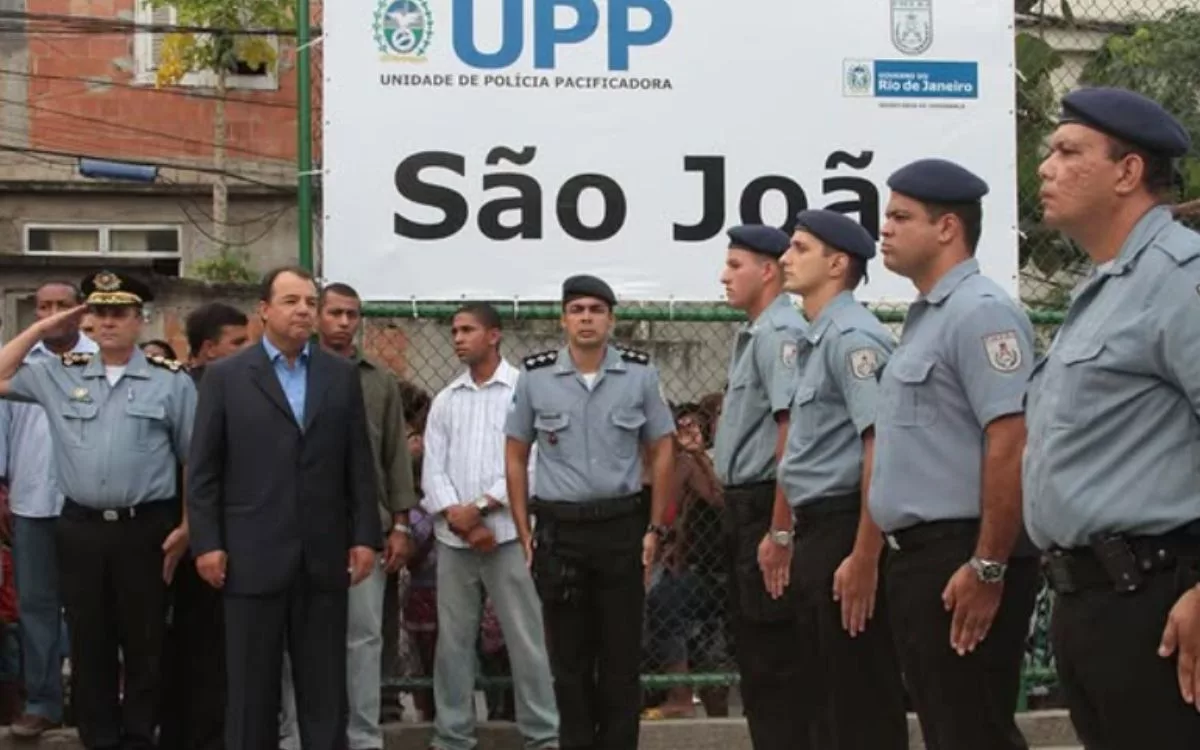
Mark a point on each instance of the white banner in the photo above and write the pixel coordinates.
(488, 149)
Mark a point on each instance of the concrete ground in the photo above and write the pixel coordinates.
(1047, 730)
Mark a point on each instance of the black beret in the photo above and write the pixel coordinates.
(111, 288)
(588, 286)
(838, 231)
(937, 181)
(757, 238)
(1129, 116)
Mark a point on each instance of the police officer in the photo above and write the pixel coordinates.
(119, 424)
(749, 440)
(825, 473)
(1111, 486)
(946, 484)
(590, 406)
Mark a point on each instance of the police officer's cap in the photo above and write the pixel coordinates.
(756, 238)
(938, 181)
(1129, 116)
(109, 289)
(838, 231)
(588, 286)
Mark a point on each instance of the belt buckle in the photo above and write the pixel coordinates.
(110, 515)
(892, 542)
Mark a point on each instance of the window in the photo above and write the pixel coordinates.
(147, 49)
(126, 240)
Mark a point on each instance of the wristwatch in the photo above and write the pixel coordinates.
(988, 571)
(781, 537)
(483, 505)
(659, 530)
(403, 528)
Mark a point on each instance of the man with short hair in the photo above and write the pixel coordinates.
(339, 317)
(464, 481)
(1110, 475)
(35, 501)
(281, 497)
(214, 331)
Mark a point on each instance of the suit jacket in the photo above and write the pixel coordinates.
(279, 499)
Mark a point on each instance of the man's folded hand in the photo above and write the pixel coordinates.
(481, 539)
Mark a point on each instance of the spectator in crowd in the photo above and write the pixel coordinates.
(420, 607)
(158, 348)
(685, 609)
(477, 551)
(338, 322)
(193, 710)
(10, 629)
(35, 502)
(494, 662)
(282, 500)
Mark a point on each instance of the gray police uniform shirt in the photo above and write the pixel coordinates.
(114, 446)
(835, 402)
(762, 382)
(588, 440)
(1114, 441)
(963, 361)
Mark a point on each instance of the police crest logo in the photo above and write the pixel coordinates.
(863, 363)
(912, 25)
(1003, 351)
(788, 353)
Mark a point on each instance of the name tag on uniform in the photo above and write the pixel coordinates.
(81, 395)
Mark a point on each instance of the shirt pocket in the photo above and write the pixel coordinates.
(628, 433)
(550, 427)
(149, 421)
(804, 419)
(80, 429)
(915, 403)
(1085, 383)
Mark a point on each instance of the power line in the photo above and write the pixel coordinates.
(141, 161)
(148, 89)
(103, 25)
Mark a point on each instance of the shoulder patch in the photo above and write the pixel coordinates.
(541, 359)
(1003, 351)
(76, 359)
(167, 364)
(635, 356)
(863, 363)
(788, 352)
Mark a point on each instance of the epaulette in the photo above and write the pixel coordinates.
(167, 364)
(633, 355)
(541, 359)
(76, 359)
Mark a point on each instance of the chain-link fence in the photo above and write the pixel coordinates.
(1149, 45)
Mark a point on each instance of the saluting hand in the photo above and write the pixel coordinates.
(211, 567)
(1182, 635)
(52, 322)
(362, 559)
(974, 604)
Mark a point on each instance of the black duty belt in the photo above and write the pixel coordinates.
(923, 534)
(748, 501)
(1120, 562)
(592, 510)
(76, 512)
(824, 507)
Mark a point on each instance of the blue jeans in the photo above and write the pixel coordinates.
(43, 633)
(462, 577)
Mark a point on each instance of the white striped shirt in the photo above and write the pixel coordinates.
(464, 451)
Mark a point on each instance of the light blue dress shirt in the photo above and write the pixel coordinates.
(293, 379)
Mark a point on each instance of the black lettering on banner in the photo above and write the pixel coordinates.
(615, 207)
(867, 203)
(527, 202)
(751, 205)
(712, 200)
(410, 185)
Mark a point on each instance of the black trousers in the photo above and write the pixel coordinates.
(589, 578)
(963, 702)
(1122, 695)
(857, 678)
(193, 706)
(311, 624)
(779, 698)
(116, 605)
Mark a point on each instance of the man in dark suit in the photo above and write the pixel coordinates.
(281, 488)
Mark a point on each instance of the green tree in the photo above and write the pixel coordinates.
(220, 53)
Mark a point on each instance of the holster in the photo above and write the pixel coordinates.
(748, 519)
(556, 575)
